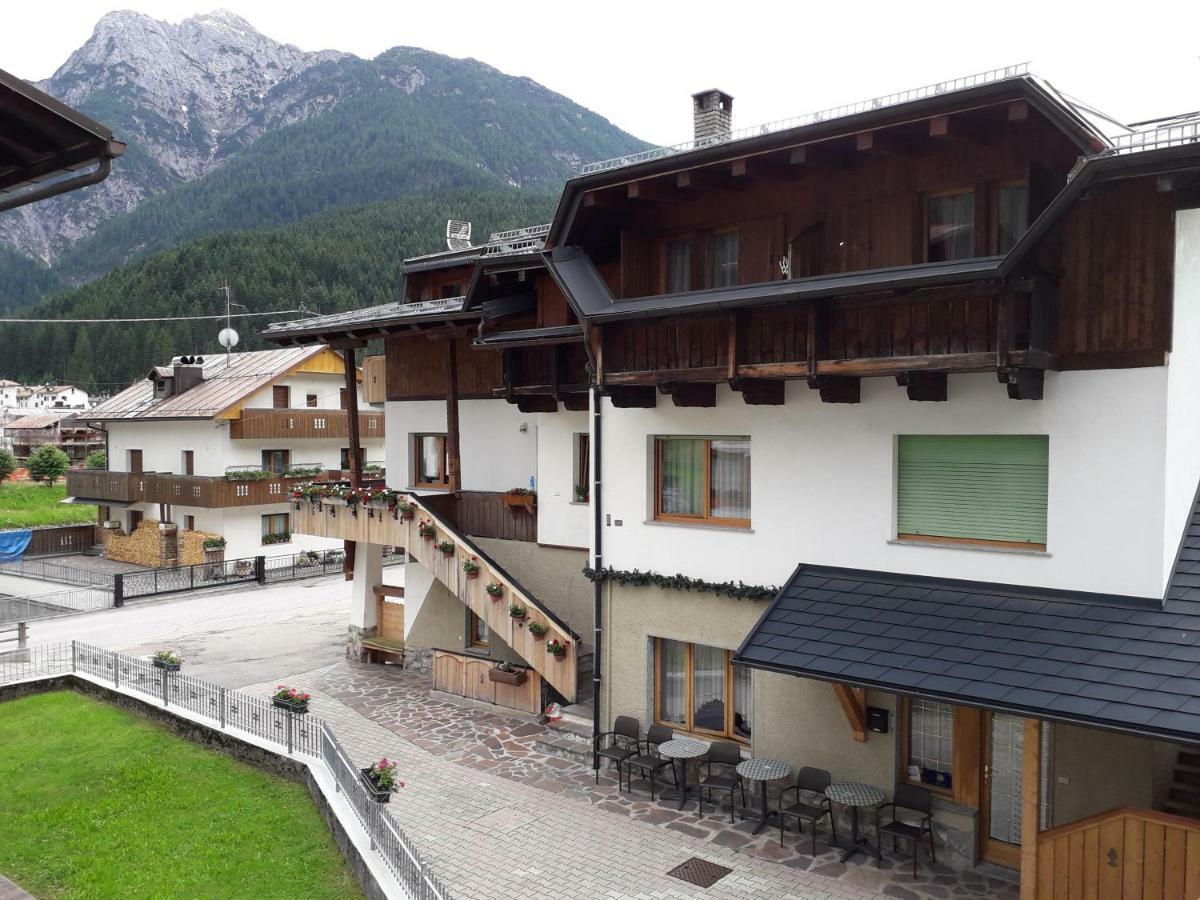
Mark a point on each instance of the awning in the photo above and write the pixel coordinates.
(532, 337)
(1123, 663)
(88, 501)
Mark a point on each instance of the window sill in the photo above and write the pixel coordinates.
(983, 548)
(700, 526)
(708, 737)
(580, 502)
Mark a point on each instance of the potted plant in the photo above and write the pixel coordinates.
(471, 567)
(291, 699)
(426, 530)
(517, 611)
(538, 630)
(557, 647)
(380, 780)
(406, 510)
(214, 543)
(447, 547)
(168, 660)
(507, 673)
(495, 590)
(520, 498)
(581, 493)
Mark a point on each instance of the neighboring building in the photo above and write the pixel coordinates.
(57, 396)
(923, 370)
(66, 431)
(214, 444)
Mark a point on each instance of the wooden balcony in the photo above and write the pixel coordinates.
(271, 424)
(375, 524)
(201, 491)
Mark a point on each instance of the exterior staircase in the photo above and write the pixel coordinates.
(571, 737)
(1183, 797)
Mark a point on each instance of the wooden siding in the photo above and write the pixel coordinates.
(202, 491)
(434, 284)
(552, 308)
(416, 369)
(374, 379)
(483, 514)
(258, 424)
(57, 539)
(465, 675)
(1125, 854)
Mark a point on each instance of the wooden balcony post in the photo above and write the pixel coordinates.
(1031, 807)
(453, 475)
(352, 418)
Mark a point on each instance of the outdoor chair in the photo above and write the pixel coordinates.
(619, 744)
(649, 763)
(726, 755)
(811, 804)
(917, 802)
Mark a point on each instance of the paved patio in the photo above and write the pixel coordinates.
(500, 818)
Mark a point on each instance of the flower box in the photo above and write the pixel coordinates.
(297, 706)
(376, 793)
(520, 501)
(517, 676)
(166, 666)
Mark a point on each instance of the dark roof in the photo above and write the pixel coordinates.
(43, 142)
(532, 337)
(1125, 663)
(586, 288)
(369, 322)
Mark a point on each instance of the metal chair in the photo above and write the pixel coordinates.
(649, 762)
(811, 783)
(618, 745)
(727, 755)
(914, 800)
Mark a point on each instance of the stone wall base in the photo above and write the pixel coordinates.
(354, 639)
(419, 660)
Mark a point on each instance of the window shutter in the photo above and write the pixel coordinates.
(976, 487)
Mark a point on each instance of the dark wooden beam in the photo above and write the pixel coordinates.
(650, 190)
(854, 705)
(1023, 384)
(959, 127)
(924, 386)
(691, 394)
(881, 142)
(575, 402)
(543, 403)
(668, 376)
(760, 391)
(814, 155)
(632, 397)
(603, 199)
(836, 389)
(453, 474)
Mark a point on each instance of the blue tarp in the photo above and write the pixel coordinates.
(13, 544)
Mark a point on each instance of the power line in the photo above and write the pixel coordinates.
(274, 312)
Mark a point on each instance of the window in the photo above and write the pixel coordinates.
(189, 462)
(135, 461)
(950, 226)
(281, 396)
(310, 400)
(189, 523)
(478, 634)
(276, 528)
(345, 458)
(276, 461)
(582, 468)
(723, 259)
(986, 489)
(429, 461)
(703, 480)
(135, 519)
(693, 684)
(1011, 214)
(928, 750)
(678, 266)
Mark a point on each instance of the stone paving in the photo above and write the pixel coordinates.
(499, 818)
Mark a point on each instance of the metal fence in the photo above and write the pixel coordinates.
(237, 711)
(63, 573)
(59, 603)
(172, 579)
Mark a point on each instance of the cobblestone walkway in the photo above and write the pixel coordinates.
(499, 818)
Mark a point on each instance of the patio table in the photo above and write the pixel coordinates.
(762, 771)
(682, 749)
(855, 794)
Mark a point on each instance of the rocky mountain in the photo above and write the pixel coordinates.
(228, 128)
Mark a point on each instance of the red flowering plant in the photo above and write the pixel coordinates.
(383, 775)
(557, 647)
(426, 530)
(471, 567)
(286, 694)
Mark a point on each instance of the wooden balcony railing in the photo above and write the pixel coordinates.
(202, 491)
(1120, 855)
(375, 524)
(268, 424)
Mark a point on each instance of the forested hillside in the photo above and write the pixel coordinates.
(342, 259)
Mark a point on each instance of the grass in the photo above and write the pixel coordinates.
(28, 505)
(101, 803)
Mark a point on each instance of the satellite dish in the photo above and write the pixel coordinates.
(227, 338)
(458, 235)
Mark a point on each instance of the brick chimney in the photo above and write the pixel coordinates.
(712, 116)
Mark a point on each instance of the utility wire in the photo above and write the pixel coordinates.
(274, 312)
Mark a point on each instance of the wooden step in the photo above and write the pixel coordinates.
(1191, 760)
(1182, 808)
(1187, 793)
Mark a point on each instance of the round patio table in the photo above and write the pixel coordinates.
(681, 749)
(855, 794)
(762, 771)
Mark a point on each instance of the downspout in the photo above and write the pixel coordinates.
(597, 565)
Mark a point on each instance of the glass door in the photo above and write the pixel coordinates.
(1000, 806)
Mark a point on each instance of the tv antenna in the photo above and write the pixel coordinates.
(227, 337)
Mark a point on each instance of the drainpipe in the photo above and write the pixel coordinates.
(597, 565)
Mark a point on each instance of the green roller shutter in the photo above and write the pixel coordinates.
(977, 487)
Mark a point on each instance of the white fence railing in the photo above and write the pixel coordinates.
(236, 711)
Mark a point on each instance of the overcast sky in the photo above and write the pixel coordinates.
(637, 63)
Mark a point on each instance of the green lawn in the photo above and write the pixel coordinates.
(28, 505)
(98, 802)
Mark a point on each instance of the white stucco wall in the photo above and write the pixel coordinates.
(823, 482)
(495, 454)
(162, 444)
(561, 521)
(326, 387)
(1183, 387)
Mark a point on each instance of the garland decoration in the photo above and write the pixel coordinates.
(679, 582)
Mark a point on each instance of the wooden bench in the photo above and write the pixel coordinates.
(380, 649)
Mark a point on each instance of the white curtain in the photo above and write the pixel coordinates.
(708, 688)
(672, 684)
(730, 461)
(743, 702)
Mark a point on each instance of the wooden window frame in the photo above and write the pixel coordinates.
(415, 446)
(994, 210)
(948, 192)
(581, 472)
(664, 256)
(189, 523)
(187, 463)
(267, 452)
(287, 522)
(688, 666)
(474, 641)
(707, 518)
(279, 391)
(710, 257)
(311, 400)
(966, 754)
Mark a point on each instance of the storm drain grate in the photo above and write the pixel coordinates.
(699, 872)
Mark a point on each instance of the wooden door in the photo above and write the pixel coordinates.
(281, 396)
(135, 461)
(189, 462)
(476, 684)
(1002, 739)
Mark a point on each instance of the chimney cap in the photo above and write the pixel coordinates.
(725, 94)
